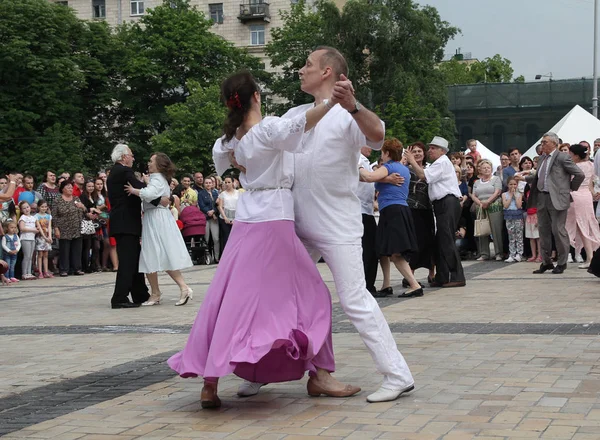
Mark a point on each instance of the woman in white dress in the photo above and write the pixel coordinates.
(163, 247)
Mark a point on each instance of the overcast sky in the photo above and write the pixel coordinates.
(537, 36)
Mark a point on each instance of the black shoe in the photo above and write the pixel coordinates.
(560, 268)
(384, 292)
(127, 305)
(544, 267)
(416, 292)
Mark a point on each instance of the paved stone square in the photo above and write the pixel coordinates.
(510, 356)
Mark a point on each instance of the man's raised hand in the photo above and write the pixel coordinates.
(343, 93)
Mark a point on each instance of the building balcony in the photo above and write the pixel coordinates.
(254, 11)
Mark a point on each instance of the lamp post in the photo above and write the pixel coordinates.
(595, 97)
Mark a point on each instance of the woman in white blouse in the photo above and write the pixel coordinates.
(227, 203)
(163, 248)
(266, 316)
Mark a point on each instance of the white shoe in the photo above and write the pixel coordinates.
(569, 258)
(579, 258)
(584, 266)
(154, 300)
(185, 295)
(518, 258)
(510, 260)
(387, 395)
(247, 388)
(498, 257)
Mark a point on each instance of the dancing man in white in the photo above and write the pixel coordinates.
(326, 175)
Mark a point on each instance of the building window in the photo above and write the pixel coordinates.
(216, 12)
(257, 34)
(499, 138)
(99, 8)
(63, 3)
(137, 7)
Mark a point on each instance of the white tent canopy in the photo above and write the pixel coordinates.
(488, 154)
(576, 126)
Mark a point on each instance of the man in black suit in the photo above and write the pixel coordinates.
(126, 228)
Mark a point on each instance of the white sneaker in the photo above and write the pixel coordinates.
(387, 395)
(579, 258)
(518, 258)
(510, 260)
(498, 257)
(570, 258)
(247, 388)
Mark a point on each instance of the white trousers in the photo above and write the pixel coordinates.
(345, 263)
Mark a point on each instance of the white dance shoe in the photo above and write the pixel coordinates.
(387, 395)
(248, 388)
(185, 295)
(154, 300)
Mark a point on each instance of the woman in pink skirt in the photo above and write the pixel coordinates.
(266, 316)
(582, 225)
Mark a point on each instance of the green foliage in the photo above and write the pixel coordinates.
(492, 70)
(392, 47)
(45, 71)
(170, 48)
(193, 126)
(412, 120)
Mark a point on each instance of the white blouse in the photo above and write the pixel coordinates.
(157, 187)
(265, 152)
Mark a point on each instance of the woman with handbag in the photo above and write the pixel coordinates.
(68, 213)
(486, 195)
(89, 225)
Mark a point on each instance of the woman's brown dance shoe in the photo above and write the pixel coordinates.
(315, 390)
(209, 398)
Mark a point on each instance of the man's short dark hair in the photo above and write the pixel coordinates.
(334, 59)
(510, 150)
(28, 176)
(504, 153)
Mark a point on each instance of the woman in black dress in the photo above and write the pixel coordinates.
(422, 212)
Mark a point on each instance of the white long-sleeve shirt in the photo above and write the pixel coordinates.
(326, 178)
(266, 153)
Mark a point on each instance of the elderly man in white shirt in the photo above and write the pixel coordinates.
(445, 194)
(328, 212)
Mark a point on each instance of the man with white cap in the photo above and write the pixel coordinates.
(445, 194)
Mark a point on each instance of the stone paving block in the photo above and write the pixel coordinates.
(559, 432)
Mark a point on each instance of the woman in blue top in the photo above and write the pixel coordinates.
(396, 236)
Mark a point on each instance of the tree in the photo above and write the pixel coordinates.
(492, 70)
(193, 126)
(391, 47)
(169, 49)
(47, 76)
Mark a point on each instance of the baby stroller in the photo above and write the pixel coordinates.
(194, 228)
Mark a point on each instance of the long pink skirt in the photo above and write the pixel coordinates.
(581, 220)
(266, 316)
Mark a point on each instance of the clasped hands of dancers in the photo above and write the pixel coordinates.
(266, 316)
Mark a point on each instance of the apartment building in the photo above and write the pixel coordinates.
(246, 23)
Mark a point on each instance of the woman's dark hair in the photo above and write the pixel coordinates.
(164, 165)
(63, 184)
(236, 93)
(523, 160)
(178, 190)
(393, 147)
(103, 190)
(423, 148)
(579, 150)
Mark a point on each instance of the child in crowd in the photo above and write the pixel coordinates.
(11, 245)
(512, 200)
(43, 242)
(28, 225)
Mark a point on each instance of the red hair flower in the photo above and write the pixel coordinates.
(234, 101)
